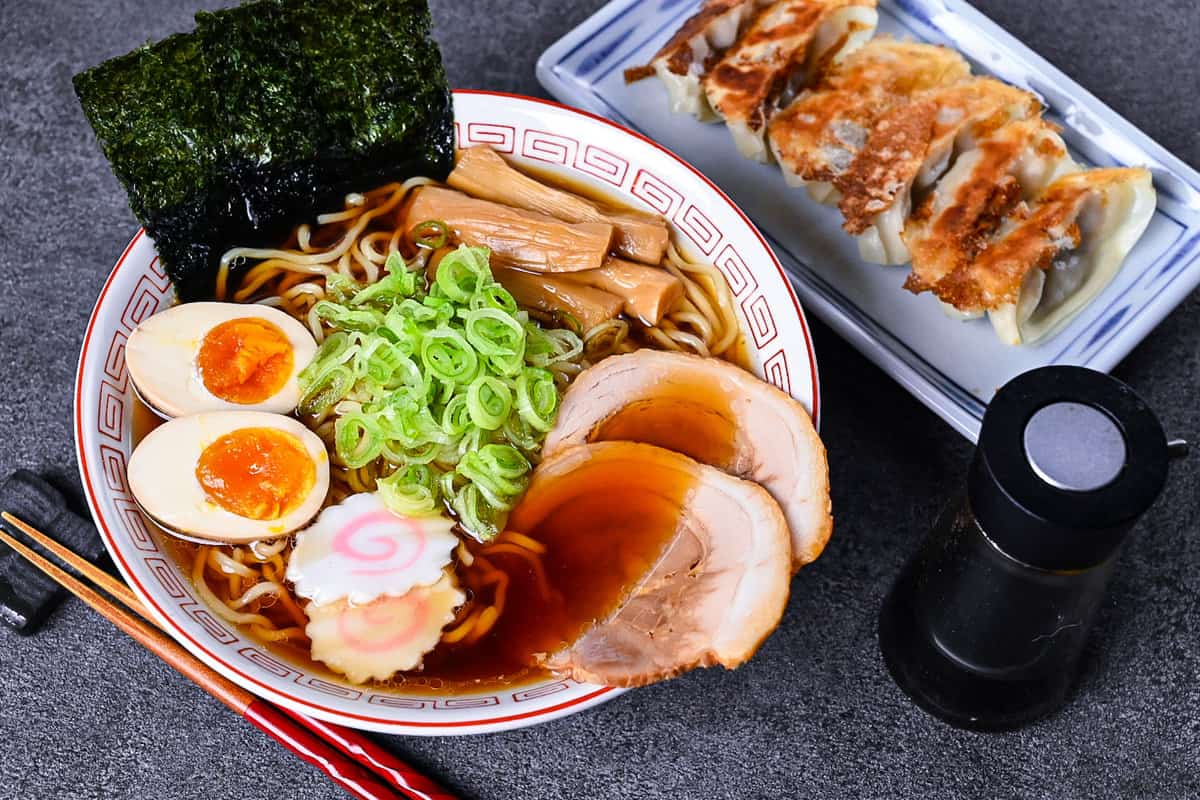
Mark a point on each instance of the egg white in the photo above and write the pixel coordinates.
(162, 477)
(162, 351)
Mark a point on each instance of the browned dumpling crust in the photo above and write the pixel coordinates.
(817, 136)
(778, 53)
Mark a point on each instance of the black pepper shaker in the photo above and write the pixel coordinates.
(985, 624)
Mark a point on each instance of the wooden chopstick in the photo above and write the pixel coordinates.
(81, 565)
(349, 759)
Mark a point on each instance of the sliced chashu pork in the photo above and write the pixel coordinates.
(716, 413)
(714, 594)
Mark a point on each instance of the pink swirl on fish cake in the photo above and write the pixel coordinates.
(343, 542)
(376, 615)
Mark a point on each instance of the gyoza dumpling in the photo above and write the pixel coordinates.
(1071, 246)
(968, 112)
(687, 55)
(776, 55)
(910, 147)
(817, 136)
(1011, 164)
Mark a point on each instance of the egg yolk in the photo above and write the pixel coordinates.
(245, 360)
(257, 473)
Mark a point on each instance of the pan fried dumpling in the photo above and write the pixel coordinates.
(817, 136)
(1066, 250)
(776, 55)
(909, 149)
(685, 58)
(967, 112)
(847, 26)
(876, 191)
(1010, 165)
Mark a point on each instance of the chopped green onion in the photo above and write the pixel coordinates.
(395, 453)
(340, 288)
(521, 434)
(462, 273)
(394, 286)
(544, 348)
(322, 394)
(479, 517)
(537, 398)
(412, 490)
(570, 321)
(447, 385)
(495, 296)
(493, 332)
(498, 337)
(499, 467)
(347, 319)
(431, 234)
(488, 402)
(395, 263)
(336, 349)
(456, 417)
(473, 439)
(357, 439)
(380, 360)
(448, 356)
(412, 426)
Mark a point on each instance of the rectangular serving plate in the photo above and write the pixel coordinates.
(953, 367)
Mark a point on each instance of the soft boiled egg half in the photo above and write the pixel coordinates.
(218, 357)
(230, 476)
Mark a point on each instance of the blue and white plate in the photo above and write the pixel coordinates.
(953, 367)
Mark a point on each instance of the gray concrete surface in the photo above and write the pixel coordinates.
(85, 713)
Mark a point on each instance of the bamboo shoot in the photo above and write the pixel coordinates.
(554, 295)
(482, 173)
(517, 238)
(648, 293)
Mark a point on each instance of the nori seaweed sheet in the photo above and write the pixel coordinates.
(274, 136)
(404, 110)
(267, 115)
(152, 113)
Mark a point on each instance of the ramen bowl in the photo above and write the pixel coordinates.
(564, 143)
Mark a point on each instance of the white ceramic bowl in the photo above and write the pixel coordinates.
(554, 138)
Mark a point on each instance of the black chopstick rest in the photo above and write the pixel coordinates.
(26, 595)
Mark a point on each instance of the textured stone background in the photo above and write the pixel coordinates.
(84, 712)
